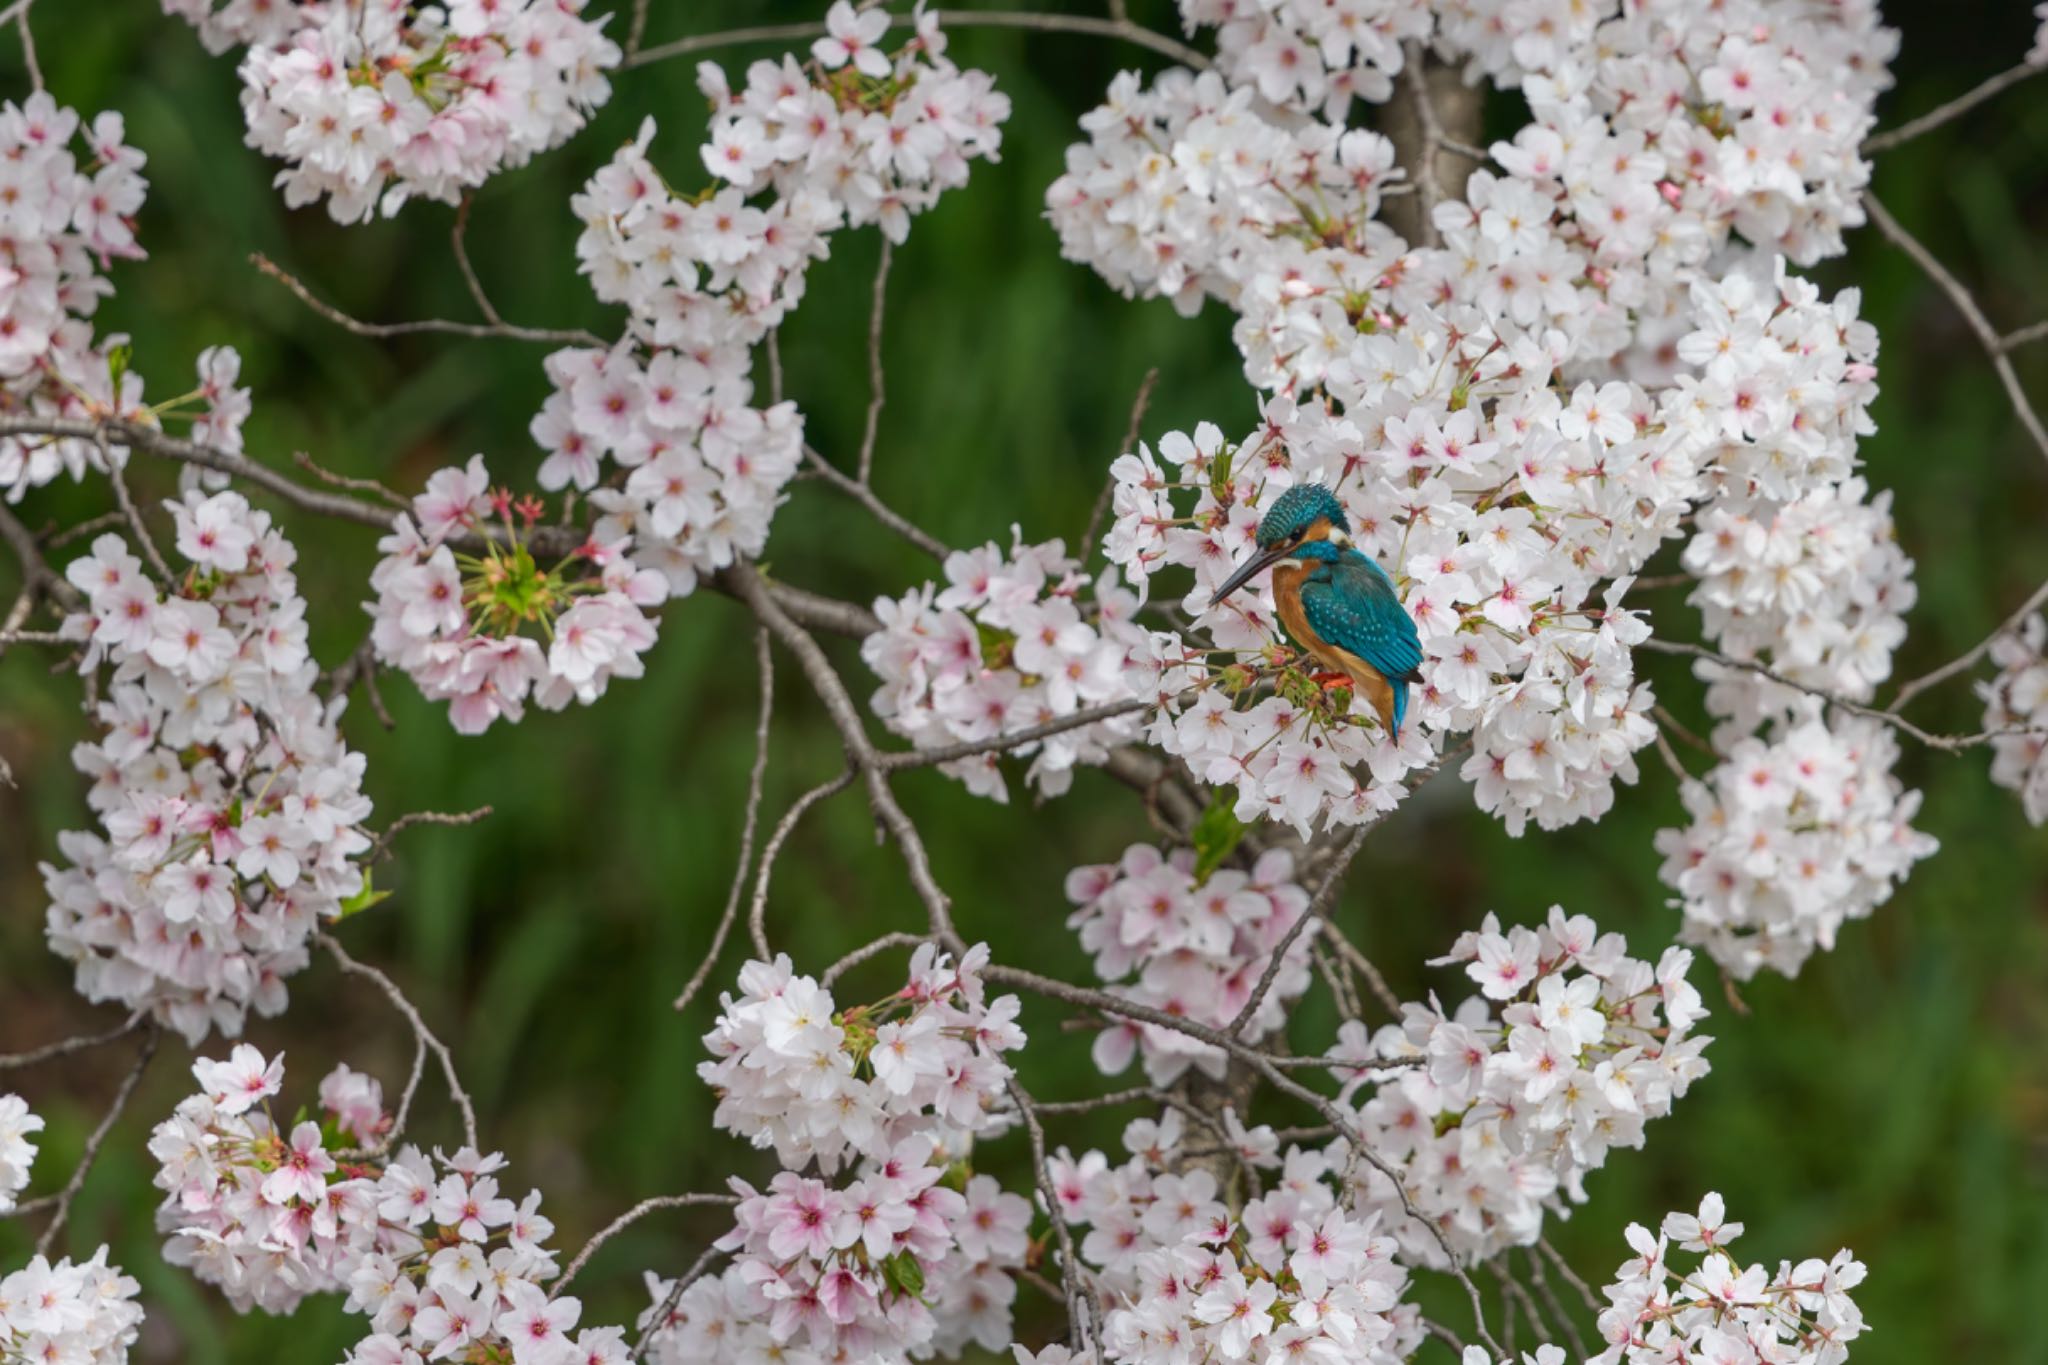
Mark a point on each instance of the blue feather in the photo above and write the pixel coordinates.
(1350, 601)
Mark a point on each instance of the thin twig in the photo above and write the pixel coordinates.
(1318, 909)
(1121, 29)
(860, 751)
(1571, 1277)
(420, 1031)
(1954, 109)
(1972, 314)
(134, 515)
(1074, 1279)
(1945, 743)
(458, 241)
(1108, 493)
(353, 485)
(2032, 332)
(947, 753)
(764, 663)
(1968, 660)
(1557, 1308)
(381, 849)
(872, 949)
(876, 390)
(62, 1200)
(865, 495)
(627, 1219)
(552, 336)
(64, 1047)
(757, 909)
(658, 1320)
(28, 46)
(636, 31)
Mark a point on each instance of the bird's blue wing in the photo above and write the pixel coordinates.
(1354, 608)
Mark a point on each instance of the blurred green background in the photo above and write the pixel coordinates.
(1893, 1099)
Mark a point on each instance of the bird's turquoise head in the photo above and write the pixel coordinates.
(1294, 514)
(1307, 514)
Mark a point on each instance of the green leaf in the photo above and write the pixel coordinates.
(903, 1271)
(363, 899)
(1216, 834)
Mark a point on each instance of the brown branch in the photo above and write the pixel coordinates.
(1972, 314)
(876, 394)
(459, 243)
(872, 949)
(133, 515)
(1968, 659)
(66, 1046)
(764, 663)
(1273, 1069)
(947, 753)
(1571, 1277)
(2015, 339)
(1120, 29)
(1317, 910)
(421, 1033)
(860, 752)
(627, 1219)
(865, 495)
(757, 910)
(61, 1201)
(354, 485)
(1074, 1279)
(1108, 493)
(1954, 109)
(381, 849)
(551, 336)
(1557, 1308)
(1946, 743)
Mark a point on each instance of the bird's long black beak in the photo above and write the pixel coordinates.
(1261, 559)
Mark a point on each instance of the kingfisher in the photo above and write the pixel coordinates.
(1335, 602)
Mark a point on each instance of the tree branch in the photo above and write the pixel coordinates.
(1121, 29)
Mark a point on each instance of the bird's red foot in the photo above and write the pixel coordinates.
(1329, 680)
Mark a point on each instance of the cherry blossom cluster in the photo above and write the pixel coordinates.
(459, 590)
(371, 102)
(1719, 1310)
(853, 137)
(700, 469)
(1750, 112)
(1194, 948)
(1007, 644)
(906, 1255)
(796, 1072)
(1790, 839)
(82, 1314)
(74, 1314)
(897, 1263)
(1286, 1273)
(877, 134)
(64, 218)
(17, 1150)
(230, 811)
(2018, 699)
(430, 1251)
(1510, 1100)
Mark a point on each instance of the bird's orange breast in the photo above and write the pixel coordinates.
(1366, 679)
